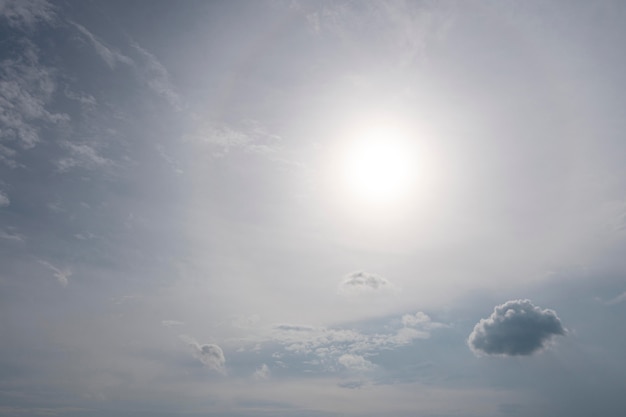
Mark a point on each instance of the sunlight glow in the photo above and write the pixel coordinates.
(380, 165)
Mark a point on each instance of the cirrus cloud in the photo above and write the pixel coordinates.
(515, 328)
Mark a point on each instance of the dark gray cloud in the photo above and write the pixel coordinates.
(515, 328)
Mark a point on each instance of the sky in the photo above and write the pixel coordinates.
(312, 208)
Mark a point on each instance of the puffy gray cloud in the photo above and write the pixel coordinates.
(209, 354)
(363, 282)
(355, 362)
(515, 328)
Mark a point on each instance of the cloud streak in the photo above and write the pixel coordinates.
(62, 275)
(515, 328)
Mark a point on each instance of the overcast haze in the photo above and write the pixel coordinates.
(311, 208)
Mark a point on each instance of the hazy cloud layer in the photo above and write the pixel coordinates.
(515, 328)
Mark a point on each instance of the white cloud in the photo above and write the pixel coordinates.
(109, 55)
(250, 137)
(263, 372)
(355, 362)
(26, 88)
(26, 14)
(209, 354)
(62, 275)
(82, 155)
(4, 199)
(329, 345)
(515, 328)
(157, 77)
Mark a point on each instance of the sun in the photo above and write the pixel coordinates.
(380, 165)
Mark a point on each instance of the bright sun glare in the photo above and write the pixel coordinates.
(380, 165)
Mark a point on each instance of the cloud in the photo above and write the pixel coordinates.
(249, 136)
(10, 235)
(209, 354)
(172, 323)
(4, 200)
(293, 328)
(62, 275)
(619, 299)
(157, 77)
(109, 55)
(26, 14)
(515, 328)
(26, 88)
(263, 372)
(360, 282)
(328, 347)
(83, 156)
(355, 362)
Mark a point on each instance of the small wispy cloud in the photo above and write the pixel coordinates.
(515, 328)
(62, 275)
(82, 155)
(617, 300)
(262, 372)
(4, 199)
(157, 77)
(11, 235)
(361, 282)
(221, 139)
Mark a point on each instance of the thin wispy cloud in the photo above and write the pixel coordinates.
(361, 282)
(82, 155)
(26, 90)
(157, 77)
(61, 274)
(109, 55)
(12, 235)
(617, 300)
